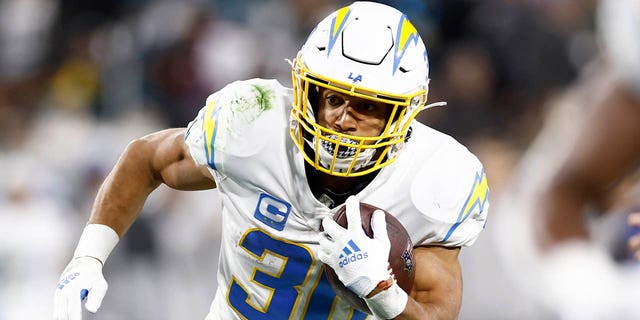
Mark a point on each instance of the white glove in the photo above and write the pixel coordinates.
(361, 263)
(81, 279)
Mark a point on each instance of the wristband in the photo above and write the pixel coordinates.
(97, 241)
(389, 303)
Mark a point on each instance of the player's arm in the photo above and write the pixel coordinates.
(607, 149)
(161, 157)
(437, 288)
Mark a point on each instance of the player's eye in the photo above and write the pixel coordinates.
(368, 107)
(334, 100)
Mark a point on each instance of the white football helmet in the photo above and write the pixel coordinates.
(368, 50)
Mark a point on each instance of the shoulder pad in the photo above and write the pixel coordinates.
(452, 190)
(227, 122)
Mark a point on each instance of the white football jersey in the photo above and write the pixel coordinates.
(268, 267)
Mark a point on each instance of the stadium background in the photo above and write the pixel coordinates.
(79, 79)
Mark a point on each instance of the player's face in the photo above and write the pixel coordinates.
(351, 115)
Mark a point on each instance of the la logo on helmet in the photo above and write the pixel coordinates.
(355, 79)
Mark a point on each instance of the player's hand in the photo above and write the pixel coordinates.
(81, 280)
(360, 262)
(633, 219)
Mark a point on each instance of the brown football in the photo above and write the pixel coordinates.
(400, 256)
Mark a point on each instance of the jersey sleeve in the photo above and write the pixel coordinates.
(226, 124)
(453, 196)
(195, 137)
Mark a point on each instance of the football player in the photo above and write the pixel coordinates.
(284, 159)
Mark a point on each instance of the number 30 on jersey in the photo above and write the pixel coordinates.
(284, 285)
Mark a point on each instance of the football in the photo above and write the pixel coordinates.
(401, 259)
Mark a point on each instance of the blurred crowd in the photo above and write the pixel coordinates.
(80, 79)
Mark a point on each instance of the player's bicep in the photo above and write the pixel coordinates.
(174, 165)
(438, 279)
